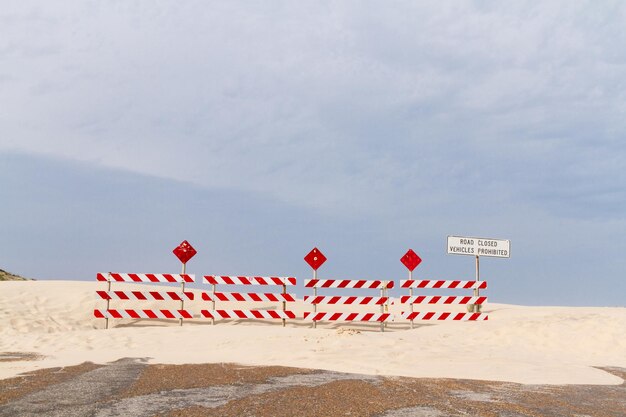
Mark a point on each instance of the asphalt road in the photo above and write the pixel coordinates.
(130, 387)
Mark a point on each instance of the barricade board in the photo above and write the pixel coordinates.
(347, 283)
(241, 280)
(247, 314)
(412, 283)
(250, 297)
(345, 300)
(143, 314)
(145, 295)
(119, 277)
(320, 316)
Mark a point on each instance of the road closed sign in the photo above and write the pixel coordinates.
(478, 246)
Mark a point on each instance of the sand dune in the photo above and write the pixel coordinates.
(532, 345)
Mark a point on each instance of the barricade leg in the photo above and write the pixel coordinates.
(284, 302)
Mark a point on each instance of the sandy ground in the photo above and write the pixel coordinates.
(528, 345)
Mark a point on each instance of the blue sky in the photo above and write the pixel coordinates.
(257, 130)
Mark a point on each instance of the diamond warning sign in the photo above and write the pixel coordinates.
(184, 252)
(411, 260)
(315, 258)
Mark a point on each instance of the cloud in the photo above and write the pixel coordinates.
(374, 111)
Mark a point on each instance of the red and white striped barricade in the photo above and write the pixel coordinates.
(446, 300)
(143, 314)
(315, 300)
(238, 297)
(109, 295)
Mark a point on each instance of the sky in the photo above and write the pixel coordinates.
(258, 130)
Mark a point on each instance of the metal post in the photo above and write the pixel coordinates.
(386, 303)
(314, 296)
(284, 302)
(108, 301)
(213, 305)
(182, 294)
(382, 307)
(476, 290)
(411, 295)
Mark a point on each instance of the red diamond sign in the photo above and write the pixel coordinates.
(315, 258)
(411, 260)
(184, 251)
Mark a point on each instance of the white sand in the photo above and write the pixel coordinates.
(531, 345)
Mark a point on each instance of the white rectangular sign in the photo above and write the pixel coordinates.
(478, 246)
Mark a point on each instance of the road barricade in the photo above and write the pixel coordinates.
(446, 300)
(315, 300)
(233, 297)
(109, 295)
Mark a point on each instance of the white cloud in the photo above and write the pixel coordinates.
(347, 108)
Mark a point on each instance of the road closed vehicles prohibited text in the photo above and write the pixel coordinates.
(477, 246)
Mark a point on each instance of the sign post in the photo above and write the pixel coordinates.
(477, 247)
(476, 307)
(411, 260)
(315, 259)
(184, 252)
(108, 299)
(382, 306)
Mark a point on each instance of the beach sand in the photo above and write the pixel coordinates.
(53, 321)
